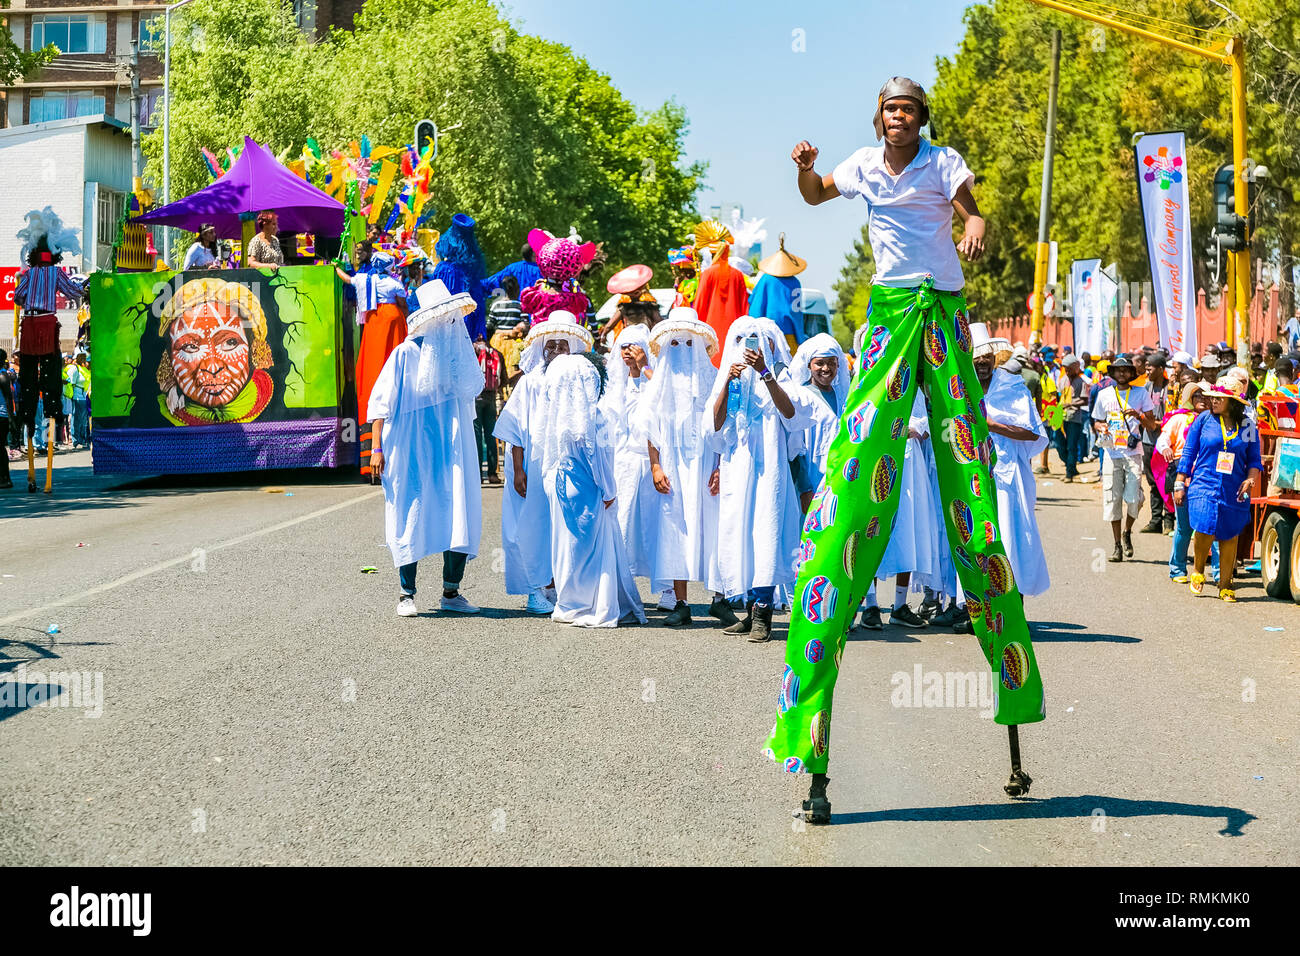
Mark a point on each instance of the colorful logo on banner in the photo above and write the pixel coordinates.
(1163, 169)
(1160, 159)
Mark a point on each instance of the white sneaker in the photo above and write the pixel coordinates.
(668, 600)
(458, 605)
(537, 604)
(406, 606)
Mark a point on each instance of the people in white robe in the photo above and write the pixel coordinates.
(750, 418)
(630, 372)
(422, 406)
(911, 555)
(593, 583)
(1018, 435)
(525, 514)
(683, 464)
(821, 370)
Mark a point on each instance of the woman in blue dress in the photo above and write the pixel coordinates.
(1221, 455)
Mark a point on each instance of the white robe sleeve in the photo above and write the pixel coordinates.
(804, 409)
(602, 464)
(383, 396)
(512, 423)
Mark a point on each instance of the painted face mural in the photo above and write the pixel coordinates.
(215, 355)
(210, 354)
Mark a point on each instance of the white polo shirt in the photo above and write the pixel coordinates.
(910, 215)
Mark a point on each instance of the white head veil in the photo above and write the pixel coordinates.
(558, 325)
(821, 345)
(674, 404)
(754, 399)
(448, 366)
(619, 375)
(572, 413)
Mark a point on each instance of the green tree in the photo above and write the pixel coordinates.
(236, 69)
(530, 136)
(853, 288)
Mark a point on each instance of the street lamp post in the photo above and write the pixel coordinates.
(167, 117)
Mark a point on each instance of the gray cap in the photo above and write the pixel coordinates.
(1070, 359)
(895, 87)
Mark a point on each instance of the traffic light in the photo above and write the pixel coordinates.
(426, 132)
(1231, 229)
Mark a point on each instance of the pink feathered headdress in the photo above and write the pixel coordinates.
(559, 259)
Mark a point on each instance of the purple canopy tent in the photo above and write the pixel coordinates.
(256, 181)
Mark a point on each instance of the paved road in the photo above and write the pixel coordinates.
(263, 704)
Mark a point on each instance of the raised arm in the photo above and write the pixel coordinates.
(972, 241)
(814, 188)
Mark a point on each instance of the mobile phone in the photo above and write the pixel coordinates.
(751, 341)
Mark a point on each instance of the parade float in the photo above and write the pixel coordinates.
(238, 369)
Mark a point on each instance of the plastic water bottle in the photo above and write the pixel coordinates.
(733, 396)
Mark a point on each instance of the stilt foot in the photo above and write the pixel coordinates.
(817, 808)
(1018, 784)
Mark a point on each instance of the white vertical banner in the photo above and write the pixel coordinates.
(1162, 193)
(1110, 304)
(1086, 300)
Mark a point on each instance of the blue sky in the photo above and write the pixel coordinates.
(750, 96)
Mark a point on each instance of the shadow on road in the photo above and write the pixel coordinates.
(1042, 631)
(1054, 808)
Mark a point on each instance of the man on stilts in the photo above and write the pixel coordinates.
(919, 332)
(40, 363)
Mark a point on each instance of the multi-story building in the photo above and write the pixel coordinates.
(90, 76)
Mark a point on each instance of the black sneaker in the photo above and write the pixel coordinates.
(961, 624)
(928, 609)
(723, 612)
(1128, 544)
(1117, 555)
(871, 619)
(679, 615)
(906, 617)
(1154, 526)
(742, 626)
(945, 618)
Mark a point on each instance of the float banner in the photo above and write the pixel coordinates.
(221, 370)
(1162, 194)
(1086, 301)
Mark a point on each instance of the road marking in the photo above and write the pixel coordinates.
(163, 566)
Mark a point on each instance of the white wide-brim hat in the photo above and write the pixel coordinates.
(560, 324)
(982, 343)
(683, 321)
(437, 306)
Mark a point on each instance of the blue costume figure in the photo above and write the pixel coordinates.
(525, 271)
(778, 294)
(461, 269)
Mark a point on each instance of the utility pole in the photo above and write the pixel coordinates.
(135, 115)
(1044, 250)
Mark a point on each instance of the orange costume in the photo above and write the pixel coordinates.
(383, 328)
(722, 297)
